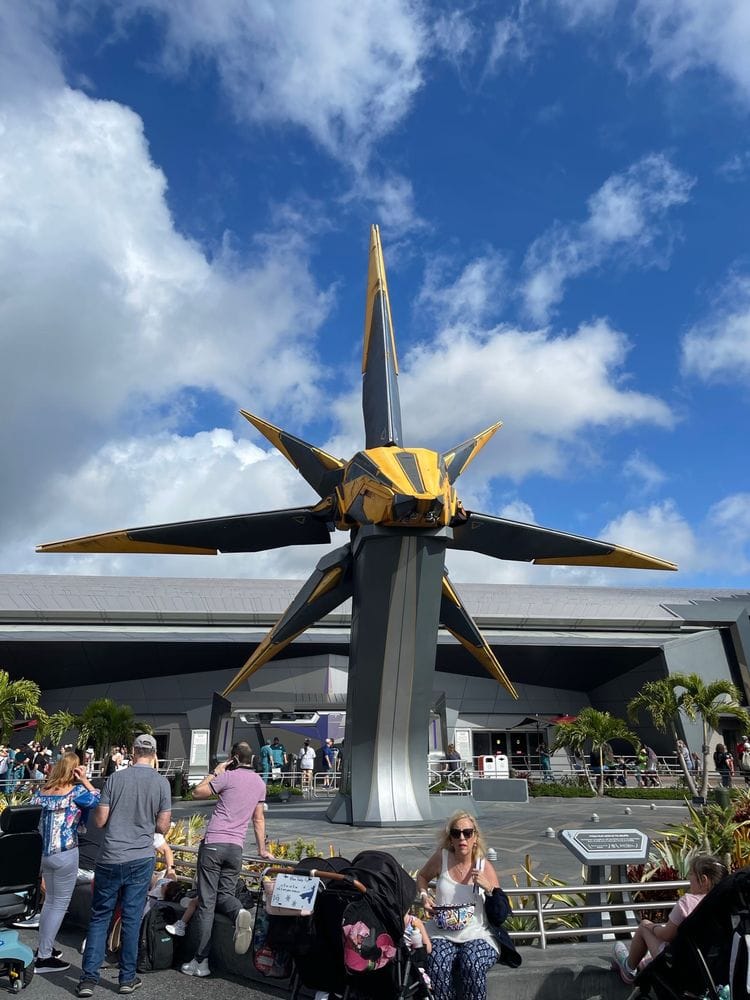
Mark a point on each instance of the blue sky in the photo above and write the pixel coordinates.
(563, 190)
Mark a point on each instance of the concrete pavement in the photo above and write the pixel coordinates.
(565, 971)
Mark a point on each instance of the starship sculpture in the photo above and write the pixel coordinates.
(400, 507)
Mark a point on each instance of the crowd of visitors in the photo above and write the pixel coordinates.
(129, 815)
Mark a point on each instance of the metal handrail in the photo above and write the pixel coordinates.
(545, 912)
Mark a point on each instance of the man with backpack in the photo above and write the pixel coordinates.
(242, 794)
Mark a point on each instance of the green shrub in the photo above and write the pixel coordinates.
(566, 789)
(645, 793)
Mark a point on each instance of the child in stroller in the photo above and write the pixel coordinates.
(360, 938)
(650, 938)
(709, 951)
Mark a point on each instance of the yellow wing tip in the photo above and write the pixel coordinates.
(620, 557)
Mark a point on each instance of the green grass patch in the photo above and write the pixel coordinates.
(647, 793)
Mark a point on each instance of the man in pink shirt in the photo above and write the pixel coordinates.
(241, 796)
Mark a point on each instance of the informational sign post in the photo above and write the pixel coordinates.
(598, 850)
(595, 848)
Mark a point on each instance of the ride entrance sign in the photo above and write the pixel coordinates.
(598, 850)
(606, 847)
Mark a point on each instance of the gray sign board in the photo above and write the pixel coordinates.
(606, 847)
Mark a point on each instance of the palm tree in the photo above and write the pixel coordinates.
(103, 724)
(18, 700)
(598, 729)
(659, 699)
(709, 702)
(53, 727)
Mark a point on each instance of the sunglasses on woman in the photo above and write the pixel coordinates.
(467, 833)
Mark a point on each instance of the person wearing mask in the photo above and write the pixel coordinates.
(242, 794)
(135, 803)
(66, 792)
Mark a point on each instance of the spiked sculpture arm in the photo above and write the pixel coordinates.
(463, 454)
(321, 470)
(329, 585)
(239, 533)
(380, 401)
(458, 621)
(503, 539)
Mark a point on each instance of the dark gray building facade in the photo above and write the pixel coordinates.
(164, 645)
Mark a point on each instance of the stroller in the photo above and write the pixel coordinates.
(20, 864)
(710, 950)
(373, 887)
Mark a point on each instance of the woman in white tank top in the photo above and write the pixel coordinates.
(463, 947)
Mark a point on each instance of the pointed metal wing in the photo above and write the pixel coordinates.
(330, 585)
(239, 533)
(503, 539)
(321, 470)
(463, 454)
(380, 402)
(458, 621)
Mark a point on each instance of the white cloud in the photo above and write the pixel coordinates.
(658, 530)
(168, 477)
(731, 517)
(346, 73)
(510, 42)
(548, 390)
(736, 167)
(391, 199)
(680, 36)
(686, 35)
(718, 348)
(646, 472)
(454, 35)
(626, 221)
(108, 313)
(474, 297)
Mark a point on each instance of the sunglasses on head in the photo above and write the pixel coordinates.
(466, 833)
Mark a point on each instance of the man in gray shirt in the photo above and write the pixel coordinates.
(135, 803)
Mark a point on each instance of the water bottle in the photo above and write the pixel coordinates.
(415, 937)
(491, 854)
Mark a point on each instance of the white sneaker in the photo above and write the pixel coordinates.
(178, 928)
(195, 968)
(31, 922)
(243, 931)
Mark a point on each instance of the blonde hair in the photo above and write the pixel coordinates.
(62, 772)
(478, 848)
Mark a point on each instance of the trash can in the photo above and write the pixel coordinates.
(721, 797)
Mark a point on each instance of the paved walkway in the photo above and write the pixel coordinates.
(562, 972)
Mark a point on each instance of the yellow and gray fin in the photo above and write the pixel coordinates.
(321, 470)
(329, 586)
(460, 457)
(504, 539)
(458, 621)
(239, 533)
(380, 402)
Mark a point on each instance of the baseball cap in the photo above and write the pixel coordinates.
(145, 742)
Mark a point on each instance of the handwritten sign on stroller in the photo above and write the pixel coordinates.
(295, 892)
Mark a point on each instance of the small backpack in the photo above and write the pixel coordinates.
(367, 944)
(156, 946)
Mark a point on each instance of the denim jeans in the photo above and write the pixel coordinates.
(218, 868)
(129, 882)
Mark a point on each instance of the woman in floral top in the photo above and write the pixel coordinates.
(65, 793)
